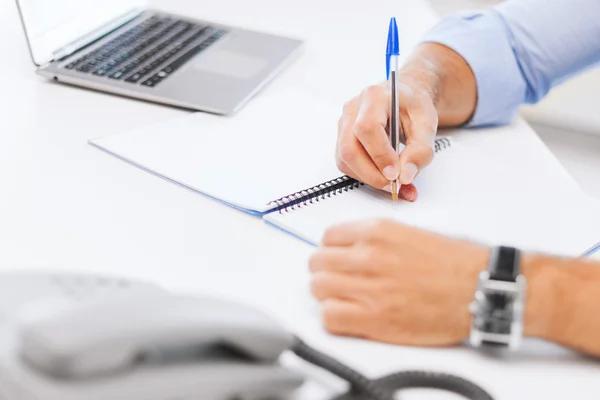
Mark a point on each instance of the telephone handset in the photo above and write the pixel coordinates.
(82, 337)
(116, 334)
(78, 337)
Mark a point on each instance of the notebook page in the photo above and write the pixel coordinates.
(466, 196)
(245, 160)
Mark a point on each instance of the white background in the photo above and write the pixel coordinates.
(66, 205)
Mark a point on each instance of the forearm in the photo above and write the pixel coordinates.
(449, 80)
(563, 302)
(520, 49)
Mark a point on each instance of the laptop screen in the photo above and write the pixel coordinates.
(53, 24)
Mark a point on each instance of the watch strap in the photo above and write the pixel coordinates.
(504, 264)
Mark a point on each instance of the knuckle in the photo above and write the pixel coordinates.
(363, 127)
(381, 228)
(381, 157)
(348, 152)
(330, 235)
(349, 106)
(375, 229)
(424, 153)
(430, 120)
(367, 256)
(373, 91)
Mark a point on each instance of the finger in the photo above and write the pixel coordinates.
(409, 192)
(346, 170)
(345, 318)
(369, 128)
(413, 159)
(329, 258)
(353, 155)
(352, 159)
(353, 233)
(327, 285)
(336, 260)
(343, 234)
(420, 126)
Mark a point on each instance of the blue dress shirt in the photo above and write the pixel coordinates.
(520, 49)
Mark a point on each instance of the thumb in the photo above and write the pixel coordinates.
(420, 135)
(415, 156)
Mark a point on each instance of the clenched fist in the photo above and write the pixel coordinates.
(385, 281)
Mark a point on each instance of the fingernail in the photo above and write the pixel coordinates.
(408, 173)
(390, 173)
(387, 188)
(407, 193)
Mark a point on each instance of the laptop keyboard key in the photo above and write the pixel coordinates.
(144, 49)
(185, 57)
(132, 65)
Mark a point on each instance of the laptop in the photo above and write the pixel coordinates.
(123, 47)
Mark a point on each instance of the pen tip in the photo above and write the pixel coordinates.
(394, 192)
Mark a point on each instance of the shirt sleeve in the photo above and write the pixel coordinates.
(520, 49)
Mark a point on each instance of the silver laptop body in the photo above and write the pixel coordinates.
(122, 47)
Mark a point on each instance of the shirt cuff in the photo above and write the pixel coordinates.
(482, 39)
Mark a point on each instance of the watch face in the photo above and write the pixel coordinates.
(495, 312)
(498, 308)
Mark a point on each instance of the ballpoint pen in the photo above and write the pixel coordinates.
(394, 130)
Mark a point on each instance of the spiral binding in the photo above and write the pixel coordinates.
(315, 193)
(440, 144)
(332, 187)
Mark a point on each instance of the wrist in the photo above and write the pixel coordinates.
(541, 295)
(498, 306)
(540, 279)
(561, 301)
(448, 79)
(422, 74)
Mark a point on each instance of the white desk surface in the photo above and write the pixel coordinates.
(65, 205)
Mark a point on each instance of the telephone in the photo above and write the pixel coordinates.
(77, 336)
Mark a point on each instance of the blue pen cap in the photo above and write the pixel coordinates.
(393, 45)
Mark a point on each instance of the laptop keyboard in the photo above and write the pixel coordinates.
(149, 52)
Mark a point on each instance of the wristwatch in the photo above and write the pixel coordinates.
(498, 307)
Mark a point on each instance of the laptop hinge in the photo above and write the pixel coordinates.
(95, 35)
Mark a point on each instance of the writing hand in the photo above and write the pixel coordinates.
(364, 151)
(436, 86)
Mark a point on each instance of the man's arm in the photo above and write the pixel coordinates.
(447, 78)
(397, 284)
(563, 303)
(473, 69)
(520, 49)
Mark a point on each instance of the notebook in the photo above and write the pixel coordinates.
(565, 228)
(247, 161)
(281, 166)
